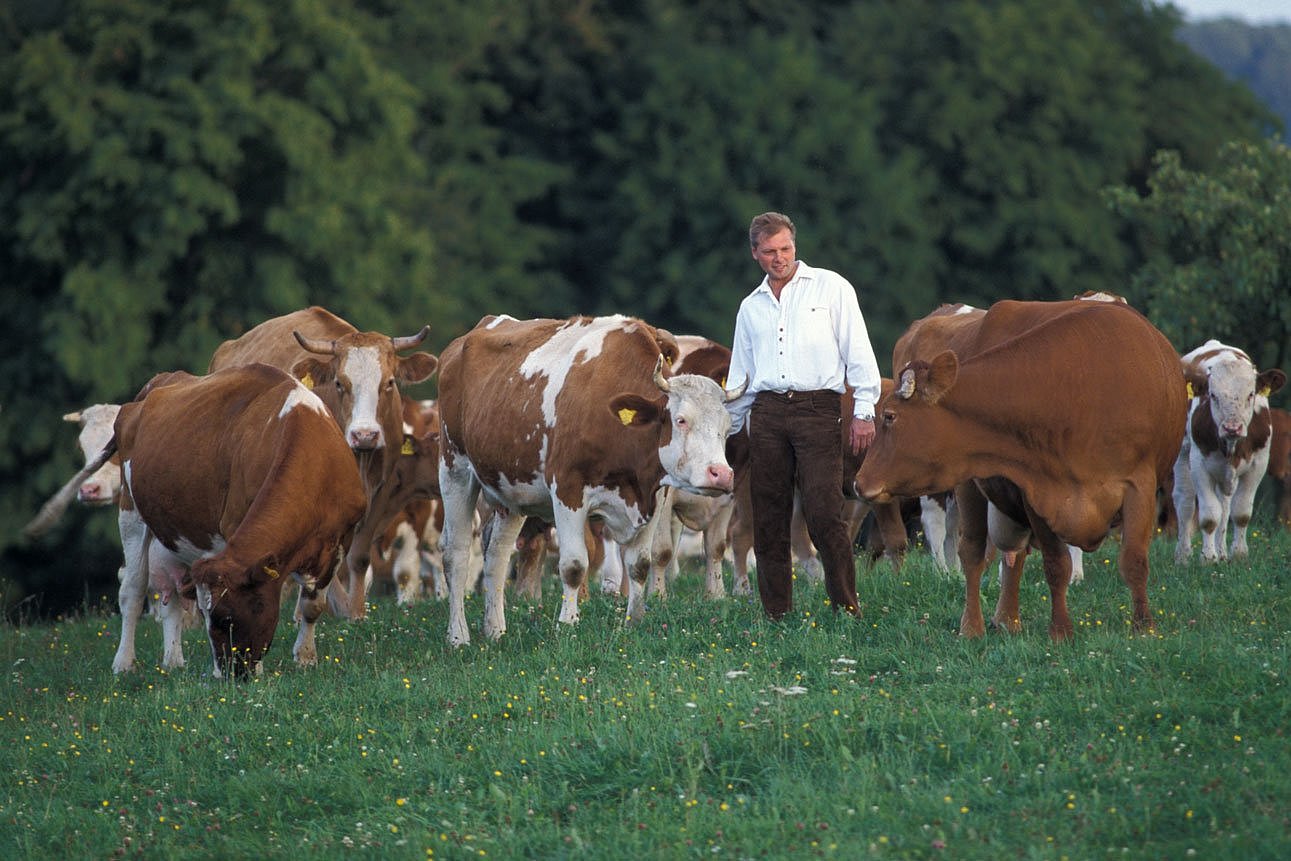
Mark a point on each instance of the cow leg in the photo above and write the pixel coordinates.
(405, 569)
(170, 612)
(664, 548)
(572, 565)
(800, 543)
(887, 516)
(613, 580)
(133, 591)
(1007, 615)
(972, 556)
(1184, 496)
(741, 535)
(715, 551)
(1138, 516)
(204, 603)
(459, 491)
(309, 606)
(1244, 503)
(932, 517)
(497, 559)
(1057, 571)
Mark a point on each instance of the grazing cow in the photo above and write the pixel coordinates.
(1225, 450)
(235, 483)
(356, 374)
(95, 422)
(566, 419)
(1280, 463)
(1089, 423)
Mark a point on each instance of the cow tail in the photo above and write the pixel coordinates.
(53, 509)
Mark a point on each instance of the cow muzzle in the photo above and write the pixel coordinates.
(93, 493)
(363, 438)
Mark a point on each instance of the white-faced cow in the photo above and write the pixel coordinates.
(1225, 450)
(564, 420)
(1065, 415)
(95, 424)
(357, 376)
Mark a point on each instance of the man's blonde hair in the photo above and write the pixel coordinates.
(769, 224)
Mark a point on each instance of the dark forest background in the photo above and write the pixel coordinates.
(173, 172)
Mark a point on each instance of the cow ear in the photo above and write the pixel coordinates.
(635, 411)
(312, 372)
(417, 367)
(1270, 381)
(940, 375)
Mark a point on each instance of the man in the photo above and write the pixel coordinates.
(799, 340)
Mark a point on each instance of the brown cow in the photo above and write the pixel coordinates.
(356, 374)
(1062, 414)
(1280, 463)
(1225, 450)
(235, 482)
(566, 419)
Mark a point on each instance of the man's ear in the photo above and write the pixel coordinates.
(635, 411)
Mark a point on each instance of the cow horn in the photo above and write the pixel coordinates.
(410, 341)
(316, 345)
(907, 384)
(735, 394)
(658, 376)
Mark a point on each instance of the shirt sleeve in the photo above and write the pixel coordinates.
(741, 372)
(862, 369)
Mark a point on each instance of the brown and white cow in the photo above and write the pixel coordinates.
(563, 420)
(1062, 414)
(235, 482)
(357, 376)
(1225, 450)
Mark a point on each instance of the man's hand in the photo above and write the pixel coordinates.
(862, 434)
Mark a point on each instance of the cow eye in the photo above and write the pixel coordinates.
(889, 418)
(681, 422)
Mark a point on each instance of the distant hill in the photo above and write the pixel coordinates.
(1259, 55)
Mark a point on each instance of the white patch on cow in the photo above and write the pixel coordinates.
(299, 396)
(500, 319)
(573, 343)
(965, 309)
(362, 366)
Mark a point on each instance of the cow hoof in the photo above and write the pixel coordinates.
(306, 658)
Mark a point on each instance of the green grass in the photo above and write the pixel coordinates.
(703, 732)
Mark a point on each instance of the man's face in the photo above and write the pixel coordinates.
(776, 255)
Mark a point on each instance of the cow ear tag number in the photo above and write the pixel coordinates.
(626, 416)
(406, 448)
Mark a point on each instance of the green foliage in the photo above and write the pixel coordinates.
(1218, 263)
(704, 731)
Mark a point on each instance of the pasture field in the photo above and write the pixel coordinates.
(704, 732)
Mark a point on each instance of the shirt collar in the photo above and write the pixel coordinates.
(804, 272)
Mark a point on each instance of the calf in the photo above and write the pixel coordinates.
(1225, 450)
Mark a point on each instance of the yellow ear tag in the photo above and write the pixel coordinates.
(723, 383)
(626, 416)
(1191, 394)
(1266, 391)
(272, 572)
(406, 448)
(307, 381)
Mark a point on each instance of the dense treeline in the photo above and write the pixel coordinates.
(174, 172)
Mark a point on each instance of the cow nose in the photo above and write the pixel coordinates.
(91, 491)
(1233, 428)
(363, 439)
(721, 476)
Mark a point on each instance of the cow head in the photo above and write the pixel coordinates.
(241, 605)
(1232, 391)
(96, 424)
(903, 459)
(358, 379)
(693, 424)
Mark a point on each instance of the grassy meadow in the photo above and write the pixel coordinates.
(704, 732)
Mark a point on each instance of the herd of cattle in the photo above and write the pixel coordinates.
(1040, 425)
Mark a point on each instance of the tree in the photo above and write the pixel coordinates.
(175, 172)
(1218, 262)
